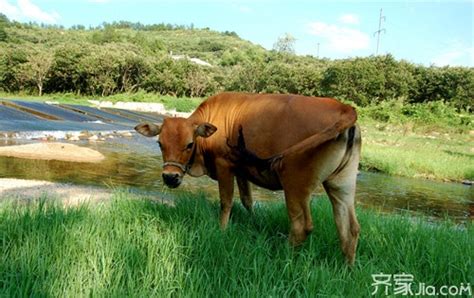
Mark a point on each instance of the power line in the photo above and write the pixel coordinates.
(378, 32)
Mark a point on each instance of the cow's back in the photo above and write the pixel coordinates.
(270, 123)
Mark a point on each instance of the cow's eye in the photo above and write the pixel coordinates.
(190, 146)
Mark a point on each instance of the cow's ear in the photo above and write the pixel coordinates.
(148, 129)
(205, 130)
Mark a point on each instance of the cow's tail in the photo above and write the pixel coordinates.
(350, 138)
(353, 143)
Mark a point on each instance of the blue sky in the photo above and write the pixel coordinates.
(424, 32)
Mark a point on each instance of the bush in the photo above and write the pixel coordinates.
(366, 80)
(128, 57)
(431, 114)
(452, 84)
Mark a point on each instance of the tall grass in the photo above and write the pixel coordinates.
(440, 156)
(134, 247)
(430, 140)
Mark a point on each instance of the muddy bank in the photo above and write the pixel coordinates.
(53, 151)
(68, 194)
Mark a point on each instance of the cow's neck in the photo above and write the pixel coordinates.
(198, 167)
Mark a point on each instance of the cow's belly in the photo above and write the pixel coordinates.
(323, 162)
(267, 179)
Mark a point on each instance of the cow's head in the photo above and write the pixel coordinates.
(177, 140)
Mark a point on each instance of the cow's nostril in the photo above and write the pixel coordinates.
(171, 179)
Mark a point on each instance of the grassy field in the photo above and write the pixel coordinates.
(432, 155)
(135, 247)
(431, 140)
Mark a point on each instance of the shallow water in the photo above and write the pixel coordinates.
(135, 163)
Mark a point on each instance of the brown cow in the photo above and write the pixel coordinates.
(287, 142)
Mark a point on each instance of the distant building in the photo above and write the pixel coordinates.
(193, 60)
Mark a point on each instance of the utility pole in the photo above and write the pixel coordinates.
(379, 31)
(317, 51)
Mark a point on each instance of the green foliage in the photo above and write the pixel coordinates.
(135, 247)
(66, 73)
(452, 84)
(436, 114)
(129, 57)
(179, 78)
(285, 44)
(109, 34)
(11, 58)
(365, 80)
(184, 104)
(4, 22)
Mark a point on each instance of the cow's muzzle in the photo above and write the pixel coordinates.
(172, 179)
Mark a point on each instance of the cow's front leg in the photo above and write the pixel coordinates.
(225, 178)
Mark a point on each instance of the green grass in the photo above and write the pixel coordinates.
(433, 155)
(135, 247)
(181, 104)
(430, 140)
(63, 98)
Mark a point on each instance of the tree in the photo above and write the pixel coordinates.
(66, 72)
(198, 81)
(101, 69)
(133, 68)
(285, 44)
(36, 68)
(3, 23)
(11, 58)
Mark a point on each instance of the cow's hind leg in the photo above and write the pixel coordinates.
(341, 191)
(299, 213)
(245, 193)
(298, 179)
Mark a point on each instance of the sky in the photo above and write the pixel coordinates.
(423, 32)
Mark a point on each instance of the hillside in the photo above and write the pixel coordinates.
(201, 43)
(128, 57)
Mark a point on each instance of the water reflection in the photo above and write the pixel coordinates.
(135, 162)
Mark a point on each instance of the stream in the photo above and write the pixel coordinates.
(135, 163)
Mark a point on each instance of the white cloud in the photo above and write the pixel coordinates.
(245, 9)
(340, 39)
(349, 18)
(11, 11)
(242, 8)
(456, 56)
(26, 10)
